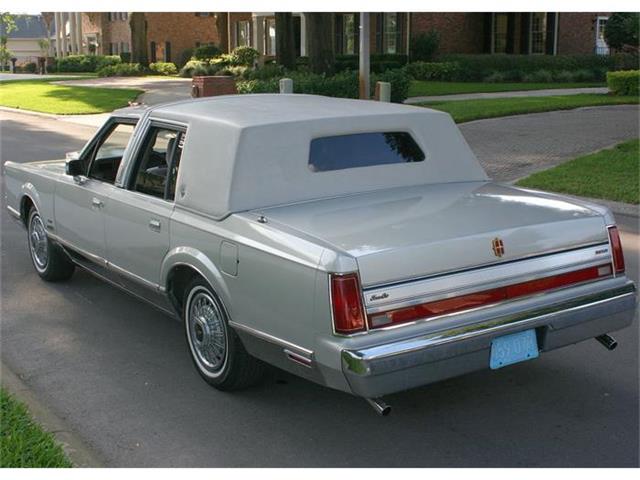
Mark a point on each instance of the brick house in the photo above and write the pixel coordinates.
(169, 35)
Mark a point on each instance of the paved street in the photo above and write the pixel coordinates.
(118, 372)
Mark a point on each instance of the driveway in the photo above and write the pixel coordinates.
(118, 372)
(513, 147)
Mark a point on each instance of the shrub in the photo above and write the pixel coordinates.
(495, 77)
(564, 76)
(424, 46)
(30, 67)
(623, 29)
(246, 56)
(196, 68)
(478, 67)
(433, 70)
(539, 76)
(378, 62)
(265, 72)
(626, 82)
(163, 68)
(121, 70)
(343, 84)
(85, 63)
(185, 56)
(204, 52)
(125, 57)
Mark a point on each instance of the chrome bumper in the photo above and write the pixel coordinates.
(408, 363)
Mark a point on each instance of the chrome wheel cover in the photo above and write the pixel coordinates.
(38, 243)
(206, 331)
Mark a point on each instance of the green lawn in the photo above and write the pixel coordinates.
(44, 96)
(421, 88)
(22, 442)
(467, 110)
(611, 174)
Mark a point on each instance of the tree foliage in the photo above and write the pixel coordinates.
(622, 29)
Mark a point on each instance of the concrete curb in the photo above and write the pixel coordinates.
(74, 447)
(30, 112)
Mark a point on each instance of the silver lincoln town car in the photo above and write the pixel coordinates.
(357, 244)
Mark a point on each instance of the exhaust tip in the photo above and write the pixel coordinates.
(608, 341)
(380, 406)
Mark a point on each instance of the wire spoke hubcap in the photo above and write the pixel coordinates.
(207, 331)
(38, 242)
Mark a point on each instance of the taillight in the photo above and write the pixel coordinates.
(348, 313)
(616, 247)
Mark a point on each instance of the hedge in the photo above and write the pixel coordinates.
(163, 68)
(625, 82)
(122, 70)
(516, 67)
(378, 62)
(343, 84)
(433, 70)
(85, 63)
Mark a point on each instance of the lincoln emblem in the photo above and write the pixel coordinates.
(498, 247)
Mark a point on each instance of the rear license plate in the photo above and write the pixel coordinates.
(513, 348)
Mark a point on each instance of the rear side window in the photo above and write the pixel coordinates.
(363, 150)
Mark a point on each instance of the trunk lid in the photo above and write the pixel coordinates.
(413, 232)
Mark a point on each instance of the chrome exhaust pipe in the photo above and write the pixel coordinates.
(379, 406)
(608, 341)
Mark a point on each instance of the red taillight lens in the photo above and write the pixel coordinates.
(616, 246)
(348, 314)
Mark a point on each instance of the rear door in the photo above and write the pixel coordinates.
(137, 216)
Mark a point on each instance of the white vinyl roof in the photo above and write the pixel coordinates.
(245, 152)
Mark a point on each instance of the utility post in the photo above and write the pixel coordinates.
(364, 82)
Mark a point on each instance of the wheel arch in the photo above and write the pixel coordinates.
(180, 265)
(27, 202)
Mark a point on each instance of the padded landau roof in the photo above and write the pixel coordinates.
(244, 152)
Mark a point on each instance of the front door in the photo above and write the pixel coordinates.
(601, 44)
(137, 216)
(80, 201)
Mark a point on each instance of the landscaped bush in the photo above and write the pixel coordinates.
(30, 67)
(265, 72)
(433, 70)
(424, 46)
(196, 68)
(626, 82)
(205, 52)
(379, 62)
(539, 76)
(343, 84)
(478, 67)
(164, 68)
(125, 57)
(85, 63)
(122, 70)
(245, 56)
(185, 56)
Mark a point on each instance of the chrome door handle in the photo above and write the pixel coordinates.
(155, 225)
(95, 202)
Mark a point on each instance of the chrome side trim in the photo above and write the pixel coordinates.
(455, 284)
(132, 276)
(356, 360)
(270, 338)
(15, 213)
(94, 258)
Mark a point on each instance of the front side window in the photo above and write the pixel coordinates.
(108, 152)
(500, 27)
(538, 32)
(270, 32)
(157, 163)
(243, 34)
(363, 150)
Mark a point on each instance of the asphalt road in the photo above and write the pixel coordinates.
(118, 373)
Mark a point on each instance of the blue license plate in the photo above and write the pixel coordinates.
(513, 348)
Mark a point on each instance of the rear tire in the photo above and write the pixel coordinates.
(215, 348)
(48, 258)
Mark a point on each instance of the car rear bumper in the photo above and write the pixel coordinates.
(460, 348)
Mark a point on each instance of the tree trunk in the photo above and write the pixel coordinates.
(285, 42)
(138, 26)
(222, 25)
(321, 38)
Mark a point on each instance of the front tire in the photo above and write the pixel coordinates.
(216, 350)
(49, 260)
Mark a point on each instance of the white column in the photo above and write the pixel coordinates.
(72, 33)
(303, 35)
(63, 28)
(258, 34)
(79, 32)
(58, 22)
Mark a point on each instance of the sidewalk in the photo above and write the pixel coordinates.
(520, 93)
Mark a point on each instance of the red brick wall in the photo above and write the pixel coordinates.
(459, 32)
(114, 31)
(577, 32)
(183, 30)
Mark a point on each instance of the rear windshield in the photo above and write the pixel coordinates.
(363, 150)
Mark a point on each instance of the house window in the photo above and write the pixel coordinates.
(167, 51)
(538, 32)
(270, 34)
(601, 44)
(113, 48)
(203, 14)
(500, 32)
(124, 47)
(349, 46)
(154, 55)
(390, 41)
(243, 33)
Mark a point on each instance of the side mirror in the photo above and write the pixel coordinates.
(74, 167)
(72, 155)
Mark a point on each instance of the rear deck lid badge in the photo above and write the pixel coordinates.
(498, 247)
(378, 296)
